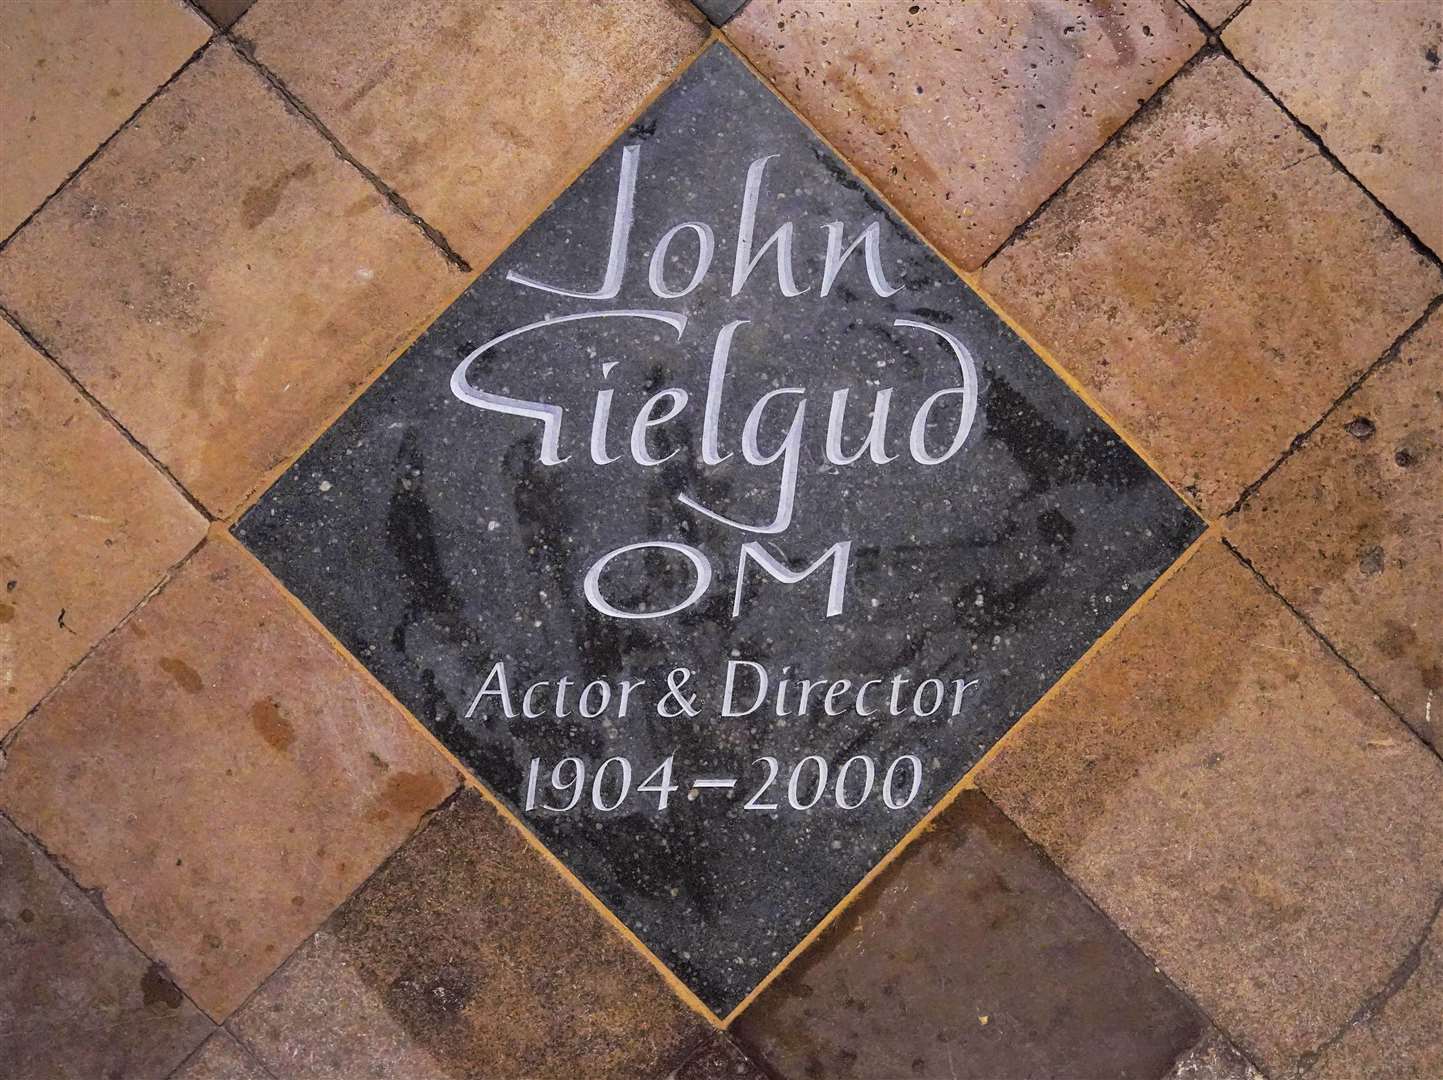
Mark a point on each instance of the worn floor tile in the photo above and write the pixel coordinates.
(87, 526)
(244, 779)
(1350, 530)
(1395, 1035)
(224, 12)
(220, 280)
(71, 72)
(1213, 281)
(221, 1058)
(1215, 12)
(76, 999)
(1213, 1058)
(1237, 801)
(531, 93)
(718, 1058)
(1365, 76)
(467, 955)
(971, 956)
(967, 116)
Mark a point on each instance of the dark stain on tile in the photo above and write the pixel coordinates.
(272, 726)
(488, 962)
(259, 203)
(157, 989)
(76, 998)
(185, 676)
(971, 956)
(413, 792)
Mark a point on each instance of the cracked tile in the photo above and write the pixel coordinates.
(1242, 807)
(1396, 1033)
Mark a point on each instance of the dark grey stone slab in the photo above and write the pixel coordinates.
(434, 537)
(720, 12)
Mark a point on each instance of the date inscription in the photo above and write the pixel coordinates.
(775, 788)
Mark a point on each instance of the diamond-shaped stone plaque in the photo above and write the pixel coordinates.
(719, 528)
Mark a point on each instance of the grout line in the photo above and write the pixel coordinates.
(9, 739)
(96, 897)
(194, 1053)
(79, 387)
(1233, 15)
(469, 779)
(1389, 355)
(1331, 648)
(968, 779)
(1313, 137)
(1151, 105)
(270, 476)
(243, 49)
(4, 244)
(221, 1029)
(972, 281)
(1237, 1044)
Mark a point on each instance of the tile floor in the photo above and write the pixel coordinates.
(1215, 850)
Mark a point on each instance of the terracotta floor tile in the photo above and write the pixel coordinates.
(243, 781)
(78, 1001)
(222, 1058)
(1350, 530)
(220, 280)
(531, 93)
(1397, 1035)
(1238, 802)
(1365, 76)
(971, 957)
(73, 72)
(1215, 12)
(224, 12)
(467, 955)
(967, 116)
(718, 1058)
(87, 526)
(1210, 264)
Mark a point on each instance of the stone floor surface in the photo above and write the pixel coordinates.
(1213, 852)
